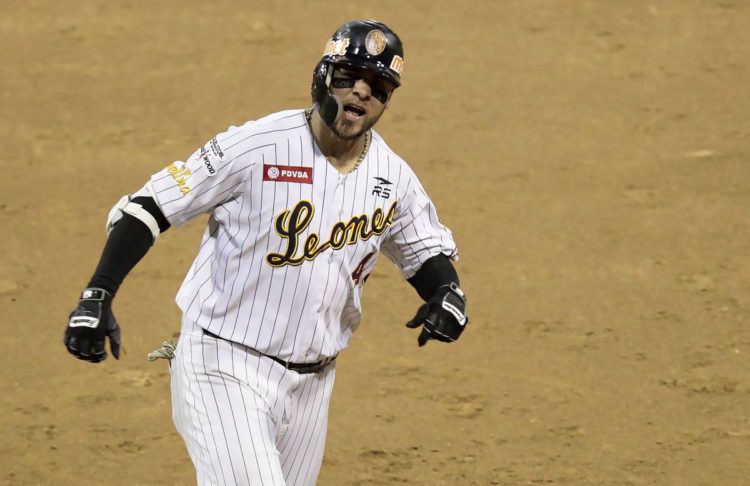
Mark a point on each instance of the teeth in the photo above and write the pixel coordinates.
(357, 110)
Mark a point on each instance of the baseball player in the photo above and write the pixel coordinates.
(300, 204)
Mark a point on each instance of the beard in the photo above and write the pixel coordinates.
(336, 128)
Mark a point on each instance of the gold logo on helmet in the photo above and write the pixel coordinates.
(397, 64)
(375, 42)
(336, 47)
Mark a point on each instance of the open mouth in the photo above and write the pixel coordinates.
(354, 110)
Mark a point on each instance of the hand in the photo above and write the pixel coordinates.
(89, 325)
(443, 317)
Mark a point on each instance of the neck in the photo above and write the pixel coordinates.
(342, 154)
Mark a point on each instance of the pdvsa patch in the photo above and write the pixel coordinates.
(287, 173)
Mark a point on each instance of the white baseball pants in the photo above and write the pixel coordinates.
(247, 420)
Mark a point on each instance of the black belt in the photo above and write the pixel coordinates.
(301, 368)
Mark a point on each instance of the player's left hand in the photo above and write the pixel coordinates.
(90, 323)
(443, 317)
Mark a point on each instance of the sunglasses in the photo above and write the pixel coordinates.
(347, 78)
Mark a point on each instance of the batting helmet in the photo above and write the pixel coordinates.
(364, 44)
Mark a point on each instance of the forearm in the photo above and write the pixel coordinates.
(128, 242)
(434, 273)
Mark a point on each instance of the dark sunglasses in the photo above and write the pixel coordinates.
(347, 78)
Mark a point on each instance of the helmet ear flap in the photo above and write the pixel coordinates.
(328, 105)
(319, 82)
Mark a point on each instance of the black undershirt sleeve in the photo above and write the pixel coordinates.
(434, 273)
(129, 240)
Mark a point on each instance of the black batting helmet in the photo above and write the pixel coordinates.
(365, 44)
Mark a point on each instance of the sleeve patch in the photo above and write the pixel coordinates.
(211, 156)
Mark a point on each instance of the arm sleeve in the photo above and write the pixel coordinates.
(128, 242)
(417, 234)
(211, 176)
(435, 273)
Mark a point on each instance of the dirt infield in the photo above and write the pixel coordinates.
(591, 158)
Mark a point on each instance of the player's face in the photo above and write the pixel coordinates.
(364, 97)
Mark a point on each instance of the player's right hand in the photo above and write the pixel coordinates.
(89, 325)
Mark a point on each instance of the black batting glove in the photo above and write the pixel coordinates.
(443, 317)
(90, 324)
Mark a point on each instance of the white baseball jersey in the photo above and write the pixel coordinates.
(290, 240)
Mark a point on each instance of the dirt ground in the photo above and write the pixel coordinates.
(591, 158)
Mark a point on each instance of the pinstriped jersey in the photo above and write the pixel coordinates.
(290, 240)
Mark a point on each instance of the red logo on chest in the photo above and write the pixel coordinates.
(287, 173)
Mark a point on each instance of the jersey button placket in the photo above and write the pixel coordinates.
(340, 196)
(338, 212)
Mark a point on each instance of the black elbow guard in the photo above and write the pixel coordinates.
(143, 208)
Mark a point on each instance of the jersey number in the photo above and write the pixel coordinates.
(357, 273)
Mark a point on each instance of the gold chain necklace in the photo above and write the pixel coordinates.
(368, 136)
